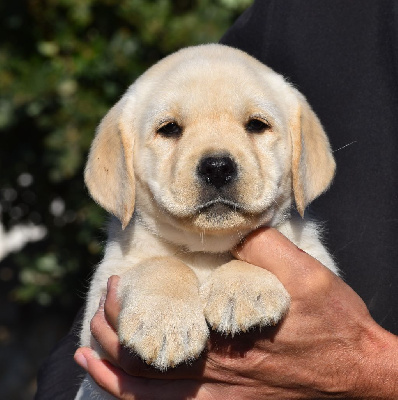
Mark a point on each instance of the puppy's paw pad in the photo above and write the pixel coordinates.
(164, 334)
(237, 301)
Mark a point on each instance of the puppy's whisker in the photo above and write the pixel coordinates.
(343, 147)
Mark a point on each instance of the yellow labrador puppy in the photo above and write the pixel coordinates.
(206, 146)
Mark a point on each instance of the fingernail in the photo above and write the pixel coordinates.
(81, 360)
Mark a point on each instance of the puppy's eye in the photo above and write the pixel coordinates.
(257, 126)
(171, 129)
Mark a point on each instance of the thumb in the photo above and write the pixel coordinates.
(269, 249)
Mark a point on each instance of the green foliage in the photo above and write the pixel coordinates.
(63, 63)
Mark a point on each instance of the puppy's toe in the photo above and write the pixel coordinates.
(165, 334)
(239, 296)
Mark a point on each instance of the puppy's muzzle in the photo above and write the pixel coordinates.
(217, 171)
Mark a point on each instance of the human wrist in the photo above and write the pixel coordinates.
(377, 374)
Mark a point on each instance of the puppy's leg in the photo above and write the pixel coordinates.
(162, 317)
(239, 296)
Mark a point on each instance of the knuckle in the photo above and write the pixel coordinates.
(95, 324)
(319, 280)
(315, 278)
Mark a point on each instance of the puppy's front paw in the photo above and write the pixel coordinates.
(239, 296)
(163, 331)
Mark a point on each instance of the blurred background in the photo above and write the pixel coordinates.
(63, 63)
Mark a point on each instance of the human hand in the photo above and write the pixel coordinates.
(327, 346)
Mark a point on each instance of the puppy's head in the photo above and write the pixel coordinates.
(209, 141)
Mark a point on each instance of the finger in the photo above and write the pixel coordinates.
(112, 304)
(107, 376)
(123, 386)
(269, 249)
(105, 334)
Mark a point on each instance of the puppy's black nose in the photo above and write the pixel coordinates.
(217, 170)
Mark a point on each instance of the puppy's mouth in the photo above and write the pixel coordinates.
(217, 215)
(219, 206)
(221, 215)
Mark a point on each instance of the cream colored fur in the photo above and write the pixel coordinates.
(172, 237)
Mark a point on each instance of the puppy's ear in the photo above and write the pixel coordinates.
(313, 165)
(109, 172)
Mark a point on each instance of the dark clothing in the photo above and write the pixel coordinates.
(60, 377)
(343, 55)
